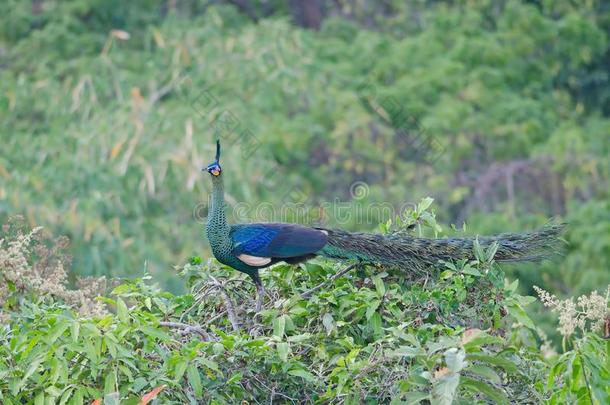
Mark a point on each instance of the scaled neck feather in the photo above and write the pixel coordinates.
(217, 219)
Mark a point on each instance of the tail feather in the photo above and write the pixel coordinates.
(406, 251)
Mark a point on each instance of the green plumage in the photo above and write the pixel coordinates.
(411, 252)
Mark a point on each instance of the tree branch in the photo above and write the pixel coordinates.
(231, 314)
(308, 293)
(186, 328)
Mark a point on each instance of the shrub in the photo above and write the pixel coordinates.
(582, 374)
(34, 267)
(372, 335)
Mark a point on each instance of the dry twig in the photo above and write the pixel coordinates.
(186, 328)
(308, 293)
(232, 315)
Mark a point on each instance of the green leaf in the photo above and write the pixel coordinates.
(306, 375)
(58, 330)
(371, 308)
(279, 326)
(122, 311)
(156, 333)
(160, 304)
(492, 393)
(328, 322)
(486, 372)
(375, 323)
(512, 287)
(75, 330)
(66, 395)
(300, 338)
(444, 389)
(39, 398)
(53, 392)
(491, 251)
(471, 271)
(194, 380)
(379, 285)
(478, 339)
(139, 383)
(496, 276)
(235, 378)
(121, 289)
(79, 394)
(110, 382)
(520, 315)
(455, 359)
(283, 349)
(112, 348)
(415, 397)
(507, 365)
(180, 369)
(478, 251)
(424, 204)
(525, 300)
(112, 398)
(405, 351)
(126, 372)
(212, 365)
(33, 366)
(92, 328)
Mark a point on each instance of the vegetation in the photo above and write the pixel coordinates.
(499, 110)
(458, 334)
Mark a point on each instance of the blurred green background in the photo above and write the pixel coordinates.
(497, 109)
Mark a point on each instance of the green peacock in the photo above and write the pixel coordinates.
(251, 247)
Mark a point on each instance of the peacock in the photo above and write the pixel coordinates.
(251, 247)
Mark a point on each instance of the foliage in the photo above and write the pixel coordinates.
(459, 334)
(582, 375)
(371, 340)
(32, 267)
(109, 109)
(498, 109)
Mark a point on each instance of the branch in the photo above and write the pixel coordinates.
(308, 293)
(215, 317)
(186, 328)
(231, 314)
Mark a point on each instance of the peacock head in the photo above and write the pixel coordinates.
(214, 168)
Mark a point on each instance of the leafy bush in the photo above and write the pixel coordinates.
(34, 267)
(581, 374)
(103, 136)
(459, 333)
(372, 341)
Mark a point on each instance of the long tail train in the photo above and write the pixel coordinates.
(405, 251)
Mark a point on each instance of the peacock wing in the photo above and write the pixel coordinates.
(275, 240)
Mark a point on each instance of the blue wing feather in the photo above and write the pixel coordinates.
(276, 240)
